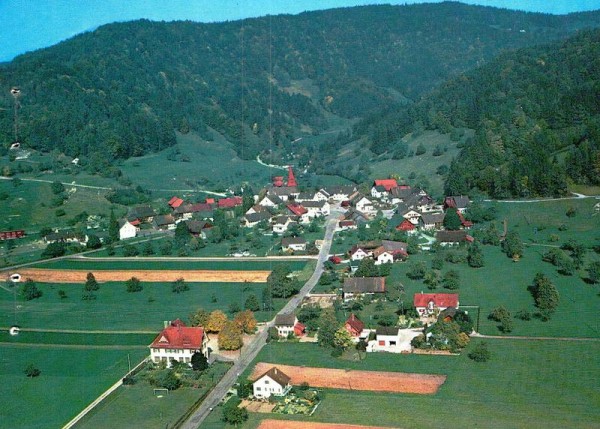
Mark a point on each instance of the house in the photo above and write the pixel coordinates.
(358, 253)
(338, 193)
(451, 238)
(386, 337)
(400, 194)
(356, 216)
(66, 237)
(317, 208)
(293, 244)
(282, 223)
(406, 226)
(382, 256)
(412, 216)
(345, 225)
(379, 192)
(175, 202)
(395, 247)
(296, 209)
(142, 213)
(432, 221)
(270, 200)
(382, 188)
(127, 229)
(287, 324)
(364, 205)
(354, 325)
(186, 211)
(198, 227)
(256, 208)
(273, 382)
(362, 286)
(284, 192)
(392, 340)
(253, 219)
(459, 203)
(164, 222)
(432, 303)
(229, 203)
(307, 196)
(179, 342)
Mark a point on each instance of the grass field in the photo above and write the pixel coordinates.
(115, 309)
(69, 381)
(137, 406)
(549, 384)
(81, 339)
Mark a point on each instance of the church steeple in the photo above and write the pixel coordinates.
(291, 179)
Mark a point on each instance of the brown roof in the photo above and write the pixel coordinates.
(277, 375)
(452, 236)
(355, 323)
(364, 285)
(285, 319)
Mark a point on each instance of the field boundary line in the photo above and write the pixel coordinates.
(74, 346)
(516, 337)
(100, 398)
(76, 331)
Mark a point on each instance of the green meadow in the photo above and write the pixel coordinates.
(549, 384)
(115, 309)
(70, 379)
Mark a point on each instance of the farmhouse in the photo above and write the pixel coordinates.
(178, 342)
(459, 203)
(282, 223)
(186, 211)
(362, 286)
(432, 303)
(287, 324)
(142, 213)
(66, 237)
(164, 222)
(293, 244)
(198, 227)
(273, 382)
(354, 325)
(253, 219)
(175, 202)
(451, 238)
(432, 221)
(127, 229)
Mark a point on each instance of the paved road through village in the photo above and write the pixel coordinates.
(250, 351)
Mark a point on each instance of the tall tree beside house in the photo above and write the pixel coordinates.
(182, 234)
(475, 255)
(545, 294)
(90, 283)
(230, 337)
(199, 362)
(452, 221)
(246, 321)
(367, 268)
(216, 321)
(328, 325)
(234, 415)
(342, 339)
(199, 318)
(113, 227)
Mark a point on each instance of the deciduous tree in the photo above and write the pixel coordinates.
(230, 337)
(216, 321)
(30, 291)
(179, 285)
(90, 283)
(342, 339)
(328, 324)
(246, 321)
(133, 285)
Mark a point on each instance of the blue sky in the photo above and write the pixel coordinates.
(27, 25)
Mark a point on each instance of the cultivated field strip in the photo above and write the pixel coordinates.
(192, 276)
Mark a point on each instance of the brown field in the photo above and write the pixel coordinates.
(257, 407)
(378, 381)
(79, 276)
(288, 424)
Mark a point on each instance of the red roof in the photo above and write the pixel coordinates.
(299, 329)
(355, 324)
(297, 209)
(135, 222)
(278, 181)
(175, 202)
(335, 259)
(388, 184)
(210, 201)
(444, 300)
(230, 202)
(179, 336)
(405, 225)
(463, 221)
(291, 182)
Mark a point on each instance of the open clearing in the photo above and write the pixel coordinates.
(376, 381)
(287, 424)
(194, 276)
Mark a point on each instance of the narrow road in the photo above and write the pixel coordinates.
(193, 258)
(514, 337)
(250, 351)
(543, 200)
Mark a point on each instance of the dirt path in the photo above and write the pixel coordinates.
(79, 276)
(289, 424)
(376, 381)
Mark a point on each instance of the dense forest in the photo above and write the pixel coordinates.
(124, 89)
(536, 115)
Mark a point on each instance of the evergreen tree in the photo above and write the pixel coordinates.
(252, 303)
(90, 283)
(113, 227)
(452, 221)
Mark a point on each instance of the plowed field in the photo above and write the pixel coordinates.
(379, 381)
(288, 424)
(79, 276)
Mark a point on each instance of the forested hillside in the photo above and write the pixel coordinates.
(123, 89)
(537, 116)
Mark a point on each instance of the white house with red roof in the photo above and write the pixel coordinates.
(432, 303)
(273, 382)
(178, 342)
(128, 229)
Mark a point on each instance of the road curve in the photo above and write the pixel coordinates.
(250, 351)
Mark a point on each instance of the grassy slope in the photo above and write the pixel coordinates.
(550, 383)
(70, 379)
